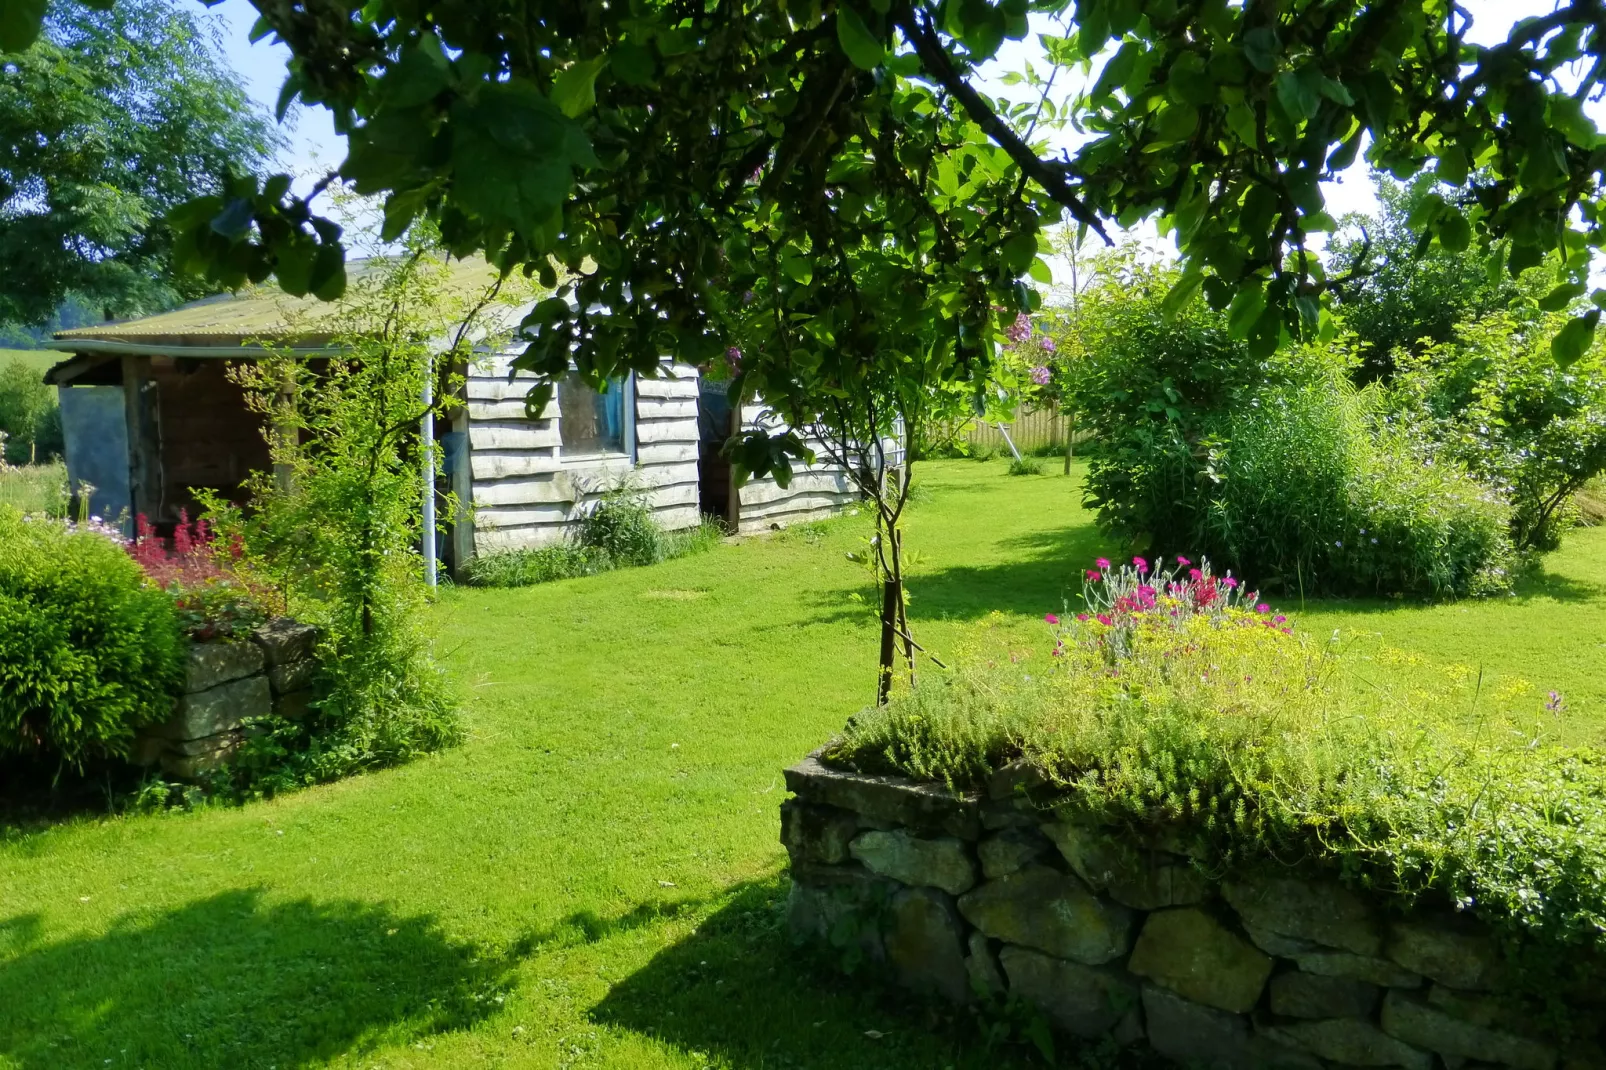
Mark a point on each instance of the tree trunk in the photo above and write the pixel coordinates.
(891, 602)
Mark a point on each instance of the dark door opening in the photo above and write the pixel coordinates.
(716, 486)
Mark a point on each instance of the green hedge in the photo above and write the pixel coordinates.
(89, 651)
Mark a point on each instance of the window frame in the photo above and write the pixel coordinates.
(627, 430)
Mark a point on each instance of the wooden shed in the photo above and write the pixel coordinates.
(150, 416)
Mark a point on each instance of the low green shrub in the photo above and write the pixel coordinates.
(1026, 466)
(89, 650)
(1280, 468)
(1246, 741)
(618, 532)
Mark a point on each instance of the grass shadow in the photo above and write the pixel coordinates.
(232, 981)
(740, 993)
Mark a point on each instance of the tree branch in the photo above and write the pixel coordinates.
(935, 60)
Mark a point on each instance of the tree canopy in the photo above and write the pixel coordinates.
(792, 177)
(108, 121)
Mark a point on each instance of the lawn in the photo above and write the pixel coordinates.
(594, 878)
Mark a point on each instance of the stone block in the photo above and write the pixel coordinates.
(1011, 850)
(924, 941)
(943, 862)
(1417, 1022)
(220, 709)
(1380, 972)
(1296, 994)
(986, 979)
(211, 664)
(1007, 815)
(892, 799)
(1349, 1042)
(188, 759)
(292, 675)
(1442, 950)
(1137, 877)
(816, 833)
(1319, 911)
(283, 640)
(1204, 1037)
(1089, 1001)
(1194, 955)
(1040, 908)
(839, 905)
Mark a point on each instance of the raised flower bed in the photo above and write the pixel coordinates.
(1184, 826)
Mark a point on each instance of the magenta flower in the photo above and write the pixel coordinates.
(1263, 608)
(1106, 621)
(1143, 566)
(1103, 562)
(1279, 618)
(1093, 574)
(734, 355)
(1183, 561)
(1230, 582)
(1051, 618)
(1081, 616)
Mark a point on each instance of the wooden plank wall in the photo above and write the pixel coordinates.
(815, 491)
(525, 494)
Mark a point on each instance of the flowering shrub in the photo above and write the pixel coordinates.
(211, 593)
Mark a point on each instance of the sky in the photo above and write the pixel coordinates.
(313, 147)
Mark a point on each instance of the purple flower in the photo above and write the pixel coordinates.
(1048, 344)
(1041, 375)
(734, 355)
(1020, 330)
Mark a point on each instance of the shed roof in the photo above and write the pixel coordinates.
(222, 325)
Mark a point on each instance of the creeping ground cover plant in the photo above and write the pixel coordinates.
(1177, 702)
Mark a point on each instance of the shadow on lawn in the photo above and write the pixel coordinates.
(738, 991)
(229, 981)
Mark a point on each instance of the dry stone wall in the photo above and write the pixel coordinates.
(230, 682)
(963, 897)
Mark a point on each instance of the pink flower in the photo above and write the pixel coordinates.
(1194, 574)
(1103, 562)
(1263, 608)
(1106, 621)
(1183, 561)
(1230, 582)
(1020, 330)
(1143, 566)
(734, 355)
(1081, 616)
(1048, 344)
(1279, 618)
(1051, 618)
(1093, 574)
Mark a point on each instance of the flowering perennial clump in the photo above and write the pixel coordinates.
(211, 593)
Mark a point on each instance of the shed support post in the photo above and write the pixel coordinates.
(427, 436)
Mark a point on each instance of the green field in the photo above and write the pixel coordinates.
(594, 878)
(40, 359)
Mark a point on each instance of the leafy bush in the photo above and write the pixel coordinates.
(622, 527)
(567, 560)
(1025, 466)
(89, 651)
(1246, 741)
(30, 420)
(1277, 467)
(1494, 400)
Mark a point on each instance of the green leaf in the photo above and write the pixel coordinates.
(1017, 253)
(1455, 233)
(1297, 92)
(19, 23)
(632, 63)
(575, 90)
(536, 401)
(796, 266)
(1261, 48)
(1180, 294)
(1562, 296)
(1040, 272)
(1573, 340)
(328, 278)
(861, 48)
(1187, 82)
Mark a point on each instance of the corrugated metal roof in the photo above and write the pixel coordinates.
(256, 312)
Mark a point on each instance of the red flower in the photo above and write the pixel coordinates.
(1093, 574)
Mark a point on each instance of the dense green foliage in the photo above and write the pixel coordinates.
(618, 531)
(1403, 292)
(89, 652)
(39, 488)
(1491, 399)
(1249, 743)
(109, 121)
(29, 416)
(335, 527)
(1278, 468)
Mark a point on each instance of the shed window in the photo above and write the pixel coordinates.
(588, 421)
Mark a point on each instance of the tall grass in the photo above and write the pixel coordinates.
(36, 488)
(613, 541)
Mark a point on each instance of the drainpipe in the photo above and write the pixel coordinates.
(427, 435)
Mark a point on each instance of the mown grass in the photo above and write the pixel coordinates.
(594, 878)
(40, 359)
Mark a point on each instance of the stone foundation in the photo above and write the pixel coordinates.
(230, 682)
(963, 897)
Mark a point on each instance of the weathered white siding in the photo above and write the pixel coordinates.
(815, 491)
(526, 493)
